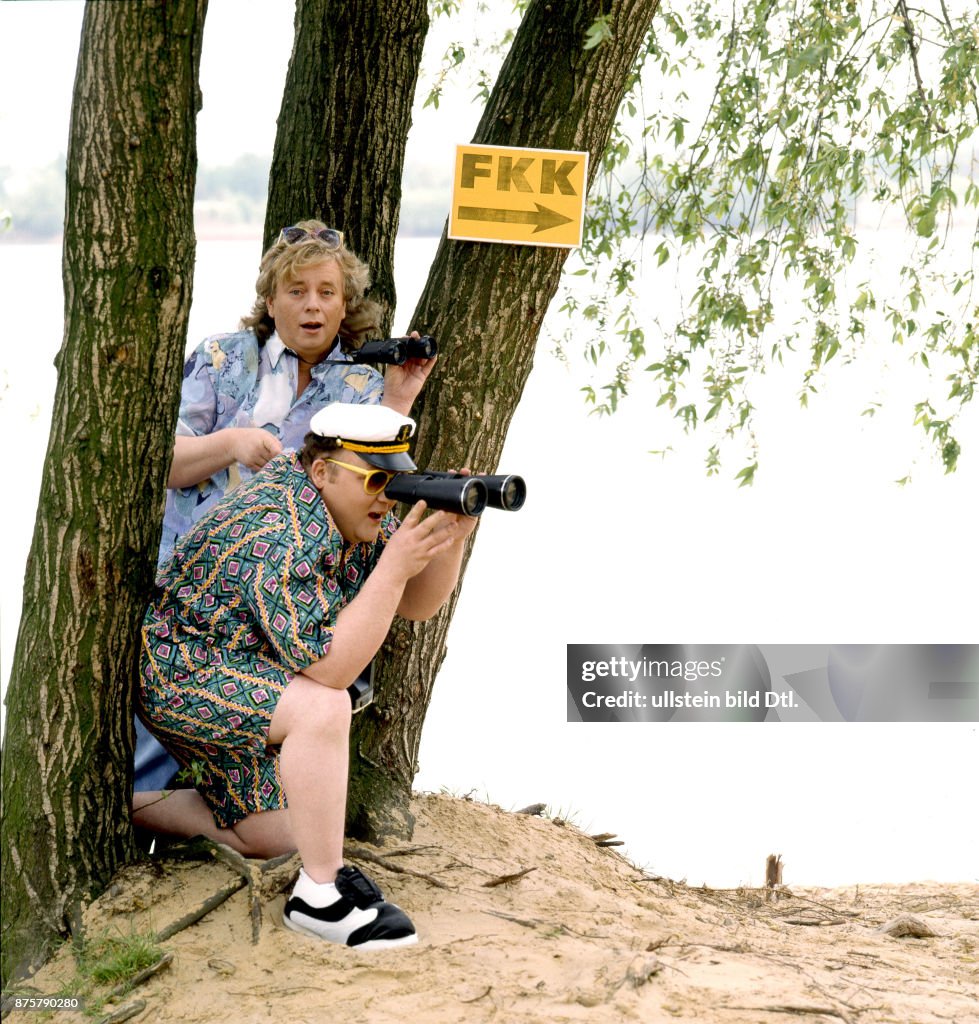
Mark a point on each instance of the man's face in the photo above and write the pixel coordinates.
(308, 309)
(356, 514)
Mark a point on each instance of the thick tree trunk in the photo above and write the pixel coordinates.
(346, 111)
(486, 303)
(128, 271)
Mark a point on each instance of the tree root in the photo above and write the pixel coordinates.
(359, 853)
(126, 1012)
(144, 975)
(223, 894)
(267, 879)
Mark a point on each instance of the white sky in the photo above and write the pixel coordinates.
(258, 33)
(823, 549)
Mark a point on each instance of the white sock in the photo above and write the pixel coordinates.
(316, 894)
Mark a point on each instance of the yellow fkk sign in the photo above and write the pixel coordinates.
(522, 196)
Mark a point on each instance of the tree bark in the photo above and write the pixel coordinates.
(128, 271)
(485, 303)
(343, 126)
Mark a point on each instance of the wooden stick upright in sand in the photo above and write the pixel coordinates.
(773, 875)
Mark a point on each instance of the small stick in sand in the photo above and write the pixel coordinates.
(773, 875)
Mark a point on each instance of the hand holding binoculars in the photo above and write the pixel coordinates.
(453, 492)
(395, 350)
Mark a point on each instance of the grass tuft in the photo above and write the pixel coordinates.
(111, 959)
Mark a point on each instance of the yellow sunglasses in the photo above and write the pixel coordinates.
(375, 480)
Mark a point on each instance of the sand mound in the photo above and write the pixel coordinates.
(578, 935)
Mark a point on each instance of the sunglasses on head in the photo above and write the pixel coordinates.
(332, 237)
(375, 480)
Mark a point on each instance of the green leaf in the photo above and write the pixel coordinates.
(926, 223)
(600, 31)
(747, 475)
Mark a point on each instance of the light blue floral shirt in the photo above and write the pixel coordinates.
(232, 381)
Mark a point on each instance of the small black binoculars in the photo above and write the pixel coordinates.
(453, 492)
(395, 350)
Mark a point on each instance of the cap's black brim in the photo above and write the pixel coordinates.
(399, 462)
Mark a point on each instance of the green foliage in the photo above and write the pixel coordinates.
(474, 67)
(600, 31)
(105, 965)
(442, 8)
(758, 150)
(108, 959)
(454, 55)
(193, 774)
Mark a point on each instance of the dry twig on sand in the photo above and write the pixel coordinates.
(192, 917)
(824, 1011)
(359, 853)
(508, 879)
(126, 1012)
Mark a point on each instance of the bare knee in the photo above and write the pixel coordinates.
(263, 834)
(330, 713)
(311, 709)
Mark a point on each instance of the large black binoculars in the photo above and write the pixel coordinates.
(453, 492)
(395, 350)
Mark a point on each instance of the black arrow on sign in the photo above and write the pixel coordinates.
(542, 217)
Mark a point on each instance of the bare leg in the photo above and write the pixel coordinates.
(312, 722)
(183, 812)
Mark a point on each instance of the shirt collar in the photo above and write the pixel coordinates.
(275, 346)
(274, 349)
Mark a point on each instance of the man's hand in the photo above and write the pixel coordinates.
(464, 525)
(418, 540)
(253, 446)
(430, 585)
(403, 384)
(198, 457)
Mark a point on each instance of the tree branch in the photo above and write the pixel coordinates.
(913, 50)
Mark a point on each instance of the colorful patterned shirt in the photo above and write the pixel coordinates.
(262, 576)
(250, 596)
(232, 381)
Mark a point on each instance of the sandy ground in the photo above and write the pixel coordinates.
(582, 935)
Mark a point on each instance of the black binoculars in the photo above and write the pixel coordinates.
(453, 492)
(395, 350)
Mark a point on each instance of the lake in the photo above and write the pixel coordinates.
(616, 545)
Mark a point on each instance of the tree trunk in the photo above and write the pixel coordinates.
(343, 126)
(485, 303)
(128, 272)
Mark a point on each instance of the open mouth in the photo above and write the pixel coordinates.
(311, 326)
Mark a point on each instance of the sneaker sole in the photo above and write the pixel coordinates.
(405, 940)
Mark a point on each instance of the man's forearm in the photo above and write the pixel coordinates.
(197, 458)
(359, 631)
(425, 593)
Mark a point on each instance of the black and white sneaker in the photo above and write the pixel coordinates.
(351, 910)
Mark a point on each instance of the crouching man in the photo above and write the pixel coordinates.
(266, 612)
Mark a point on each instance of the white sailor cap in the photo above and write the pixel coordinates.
(379, 435)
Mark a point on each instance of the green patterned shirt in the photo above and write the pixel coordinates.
(262, 576)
